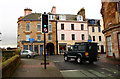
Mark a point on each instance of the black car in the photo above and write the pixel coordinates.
(83, 51)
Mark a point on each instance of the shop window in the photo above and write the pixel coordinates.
(109, 46)
(25, 47)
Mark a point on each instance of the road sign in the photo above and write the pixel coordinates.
(89, 40)
(45, 23)
(31, 40)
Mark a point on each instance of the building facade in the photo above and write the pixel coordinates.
(29, 26)
(111, 17)
(70, 29)
(95, 27)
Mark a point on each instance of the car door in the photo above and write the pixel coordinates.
(24, 53)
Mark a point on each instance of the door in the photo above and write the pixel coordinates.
(41, 49)
(102, 49)
(36, 48)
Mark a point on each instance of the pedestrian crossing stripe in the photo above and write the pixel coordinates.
(112, 70)
(97, 73)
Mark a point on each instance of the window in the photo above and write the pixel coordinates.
(18, 38)
(119, 41)
(83, 37)
(38, 27)
(62, 37)
(93, 29)
(62, 17)
(72, 26)
(51, 17)
(31, 47)
(119, 10)
(39, 37)
(82, 26)
(79, 18)
(93, 38)
(99, 29)
(73, 36)
(62, 26)
(27, 37)
(25, 47)
(49, 36)
(50, 27)
(27, 26)
(109, 46)
(99, 38)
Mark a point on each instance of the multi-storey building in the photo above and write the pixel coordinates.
(29, 26)
(95, 27)
(111, 17)
(70, 29)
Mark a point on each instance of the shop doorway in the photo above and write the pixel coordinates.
(50, 49)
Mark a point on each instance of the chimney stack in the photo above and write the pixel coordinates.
(27, 11)
(53, 10)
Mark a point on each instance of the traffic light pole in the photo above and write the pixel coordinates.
(44, 53)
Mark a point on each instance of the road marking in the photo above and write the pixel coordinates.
(72, 73)
(69, 70)
(88, 74)
(111, 70)
(97, 73)
(56, 61)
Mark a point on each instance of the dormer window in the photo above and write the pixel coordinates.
(79, 18)
(51, 17)
(62, 17)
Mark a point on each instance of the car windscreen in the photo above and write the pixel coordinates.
(24, 51)
(79, 47)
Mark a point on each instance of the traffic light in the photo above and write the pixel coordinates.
(45, 23)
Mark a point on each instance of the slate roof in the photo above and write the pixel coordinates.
(36, 16)
(32, 16)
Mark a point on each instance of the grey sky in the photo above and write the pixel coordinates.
(11, 10)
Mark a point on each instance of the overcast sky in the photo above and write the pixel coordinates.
(11, 10)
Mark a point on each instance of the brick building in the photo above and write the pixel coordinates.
(111, 17)
(29, 26)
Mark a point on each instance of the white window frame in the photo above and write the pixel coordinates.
(50, 37)
(109, 46)
(40, 37)
(37, 27)
(51, 17)
(50, 27)
(79, 18)
(62, 17)
(28, 29)
(27, 37)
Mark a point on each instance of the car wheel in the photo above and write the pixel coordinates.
(78, 60)
(65, 58)
(28, 56)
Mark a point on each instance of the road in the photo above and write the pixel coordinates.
(101, 68)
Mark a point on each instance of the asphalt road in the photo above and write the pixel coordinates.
(101, 68)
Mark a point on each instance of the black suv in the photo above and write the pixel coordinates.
(83, 51)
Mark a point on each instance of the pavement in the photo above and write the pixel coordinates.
(105, 59)
(33, 68)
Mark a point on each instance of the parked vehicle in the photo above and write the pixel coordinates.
(83, 51)
(27, 53)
